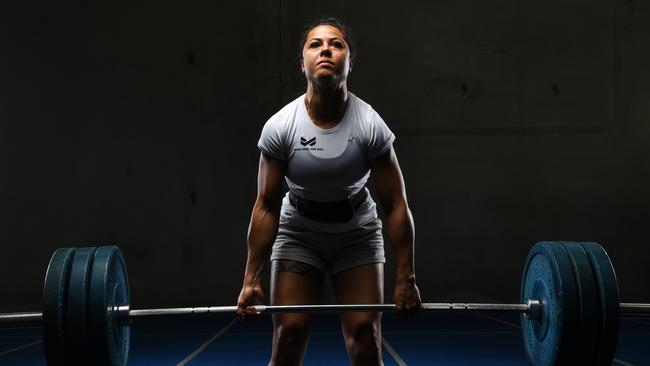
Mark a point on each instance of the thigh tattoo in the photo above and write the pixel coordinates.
(303, 269)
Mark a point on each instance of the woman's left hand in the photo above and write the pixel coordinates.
(407, 298)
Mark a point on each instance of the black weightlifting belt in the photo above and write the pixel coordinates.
(336, 211)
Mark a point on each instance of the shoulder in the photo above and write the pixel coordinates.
(366, 117)
(373, 131)
(363, 111)
(284, 118)
(277, 133)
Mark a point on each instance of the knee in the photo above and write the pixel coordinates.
(289, 342)
(364, 343)
(292, 334)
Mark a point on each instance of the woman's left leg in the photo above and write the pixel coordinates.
(362, 330)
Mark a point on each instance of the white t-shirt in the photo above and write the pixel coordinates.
(326, 164)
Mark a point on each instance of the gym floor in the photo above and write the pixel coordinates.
(430, 339)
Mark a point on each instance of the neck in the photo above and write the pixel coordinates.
(326, 104)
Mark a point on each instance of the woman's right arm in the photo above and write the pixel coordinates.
(262, 230)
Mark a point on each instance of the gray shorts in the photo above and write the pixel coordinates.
(334, 251)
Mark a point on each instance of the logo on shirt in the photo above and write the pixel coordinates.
(306, 143)
(310, 142)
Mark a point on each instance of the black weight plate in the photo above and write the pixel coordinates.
(108, 337)
(548, 277)
(589, 303)
(55, 292)
(78, 285)
(609, 302)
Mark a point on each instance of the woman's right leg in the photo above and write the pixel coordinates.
(292, 283)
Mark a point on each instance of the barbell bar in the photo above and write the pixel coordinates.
(125, 313)
(570, 306)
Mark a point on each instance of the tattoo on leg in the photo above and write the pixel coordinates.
(304, 269)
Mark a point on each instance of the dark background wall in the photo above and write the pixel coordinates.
(136, 123)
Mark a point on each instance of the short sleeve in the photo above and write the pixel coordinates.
(381, 137)
(272, 141)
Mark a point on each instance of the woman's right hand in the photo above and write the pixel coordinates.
(249, 295)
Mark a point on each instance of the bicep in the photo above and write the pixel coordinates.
(389, 182)
(269, 181)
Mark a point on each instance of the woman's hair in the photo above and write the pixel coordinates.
(347, 34)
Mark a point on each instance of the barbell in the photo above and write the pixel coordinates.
(570, 306)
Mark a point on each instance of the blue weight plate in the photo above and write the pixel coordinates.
(609, 299)
(548, 277)
(55, 292)
(588, 301)
(78, 284)
(108, 337)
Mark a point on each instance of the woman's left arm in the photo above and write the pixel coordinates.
(389, 185)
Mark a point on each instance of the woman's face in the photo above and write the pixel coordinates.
(325, 55)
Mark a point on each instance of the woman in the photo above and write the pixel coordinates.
(325, 144)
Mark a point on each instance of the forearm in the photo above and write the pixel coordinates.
(262, 231)
(401, 232)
